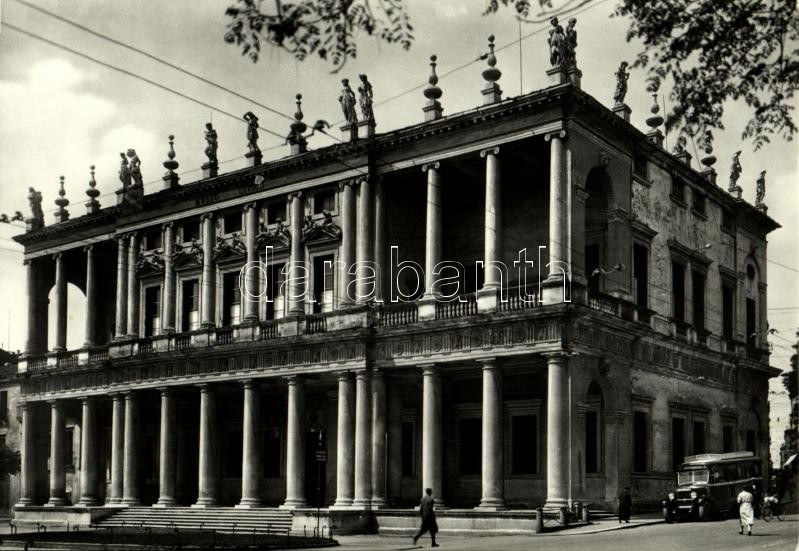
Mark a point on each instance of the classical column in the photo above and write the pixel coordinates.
(252, 276)
(394, 451)
(117, 449)
(251, 451)
(60, 290)
(493, 218)
(558, 214)
(345, 444)
(378, 440)
(493, 483)
(380, 238)
(170, 285)
(58, 473)
(295, 444)
(133, 286)
(91, 298)
(433, 226)
(557, 430)
(33, 287)
(208, 479)
(167, 462)
(297, 273)
(122, 287)
(208, 305)
(363, 440)
(347, 249)
(432, 449)
(130, 477)
(27, 479)
(88, 454)
(365, 238)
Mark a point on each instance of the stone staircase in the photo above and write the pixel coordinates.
(223, 519)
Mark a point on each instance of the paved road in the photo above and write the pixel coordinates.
(709, 536)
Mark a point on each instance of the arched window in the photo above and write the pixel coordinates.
(751, 289)
(599, 189)
(593, 429)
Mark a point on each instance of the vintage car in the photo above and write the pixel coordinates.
(708, 485)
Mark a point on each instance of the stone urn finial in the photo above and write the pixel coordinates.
(171, 178)
(709, 159)
(433, 93)
(61, 202)
(492, 92)
(295, 138)
(655, 120)
(92, 205)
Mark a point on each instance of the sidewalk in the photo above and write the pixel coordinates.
(607, 524)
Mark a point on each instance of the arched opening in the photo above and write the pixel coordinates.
(600, 191)
(76, 318)
(594, 421)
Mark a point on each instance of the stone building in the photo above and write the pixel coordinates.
(626, 331)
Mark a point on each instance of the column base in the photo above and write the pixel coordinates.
(294, 504)
(24, 502)
(131, 501)
(115, 503)
(361, 503)
(491, 505)
(89, 502)
(165, 502)
(341, 504)
(56, 502)
(249, 503)
(379, 503)
(205, 503)
(555, 505)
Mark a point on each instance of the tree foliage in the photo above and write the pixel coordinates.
(709, 51)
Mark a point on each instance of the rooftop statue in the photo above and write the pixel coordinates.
(252, 132)
(760, 190)
(735, 171)
(557, 44)
(213, 144)
(135, 168)
(366, 99)
(679, 147)
(35, 200)
(622, 75)
(124, 172)
(570, 43)
(347, 101)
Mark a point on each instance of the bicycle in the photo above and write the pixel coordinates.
(772, 508)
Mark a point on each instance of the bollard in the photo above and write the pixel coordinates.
(324, 527)
(234, 528)
(539, 520)
(304, 531)
(563, 516)
(586, 516)
(288, 536)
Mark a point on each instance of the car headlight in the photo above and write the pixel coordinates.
(671, 495)
(693, 495)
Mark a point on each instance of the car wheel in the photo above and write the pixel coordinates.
(704, 512)
(668, 516)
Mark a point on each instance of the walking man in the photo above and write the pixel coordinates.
(745, 510)
(625, 506)
(429, 524)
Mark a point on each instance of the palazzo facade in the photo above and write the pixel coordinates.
(511, 396)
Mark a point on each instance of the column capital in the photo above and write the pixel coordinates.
(489, 151)
(294, 194)
(491, 363)
(248, 206)
(294, 379)
(350, 182)
(166, 225)
(560, 134)
(86, 399)
(164, 390)
(434, 165)
(558, 355)
(88, 248)
(363, 373)
(344, 375)
(430, 369)
(58, 255)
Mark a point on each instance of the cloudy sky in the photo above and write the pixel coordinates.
(60, 113)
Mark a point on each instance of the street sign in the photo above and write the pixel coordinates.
(321, 456)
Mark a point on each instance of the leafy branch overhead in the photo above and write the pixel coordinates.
(709, 51)
(326, 28)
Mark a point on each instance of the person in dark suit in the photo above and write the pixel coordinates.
(427, 511)
(625, 505)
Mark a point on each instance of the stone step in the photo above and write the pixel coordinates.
(217, 518)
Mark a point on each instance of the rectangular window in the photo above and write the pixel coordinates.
(640, 442)
(677, 442)
(324, 201)
(699, 203)
(591, 442)
(524, 444)
(275, 212)
(231, 299)
(592, 263)
(275, 307)
(323, 283)
(751, 441)
(751, 323)
(640, 165)
(678, 190)
(3, 404)
(727, 311)
(232, 222)
(727, 433)
(641, 274)
(190, 230)
(152, 240)
(727, 223)
(678, 291)
(699, 437)
(408, 449)
(698, 293)
(152, 311)
(271, 452)
(471, 444)
(190, 314)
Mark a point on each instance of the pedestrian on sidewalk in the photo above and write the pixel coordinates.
(625, 505)
(427, 511)
(746, 511)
